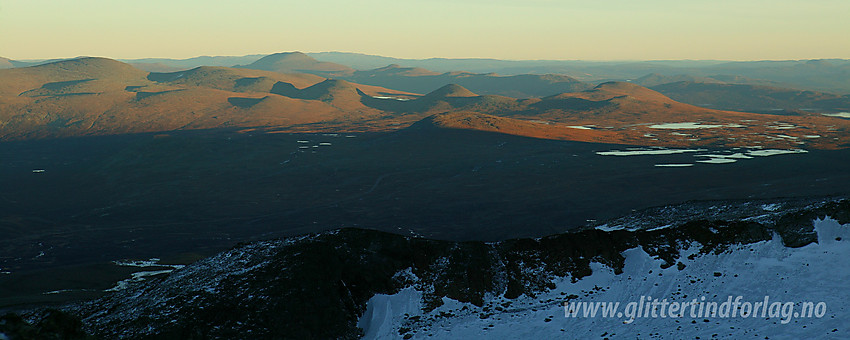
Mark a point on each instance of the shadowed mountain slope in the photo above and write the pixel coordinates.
(230, 79)
(258, 283)
(17, 80)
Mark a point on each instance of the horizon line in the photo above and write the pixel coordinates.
(421, 59)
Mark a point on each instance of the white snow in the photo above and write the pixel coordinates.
(736, 155)
(839, 115)
(606, 227)
(692, 125)
(661, 227)
(674, 165)
(773, 152)
(646, 152)
(384, 311)
(137, 277)
(718, 161)
(815, 273)
(140, 276)
(391, 98)
(580, 127)
(137, 263)
(723, 158)
(771, 207)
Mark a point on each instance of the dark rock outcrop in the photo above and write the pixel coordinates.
(317, 286)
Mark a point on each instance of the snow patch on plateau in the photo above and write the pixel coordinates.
(140, 276)
(736, 155)
(692, 125)
(839, 114)
(718, 161)
(771, 207)
(646, 152)
(685, 165)
(773, 152)
(390, 98)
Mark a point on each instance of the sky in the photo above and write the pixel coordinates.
(528, 29)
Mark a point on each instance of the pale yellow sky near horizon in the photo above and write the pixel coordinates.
(532, 29)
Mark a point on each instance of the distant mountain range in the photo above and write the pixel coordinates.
(825, 75)
(655, 79)
(295, 92)
(753, 98)
(420, 80)
(163, 65)
(828, 75)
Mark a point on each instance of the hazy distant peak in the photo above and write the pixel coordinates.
(398, 70)
(458, 73)
(451, 91)
(290, 56)
(288, 62)
(5, 63)
(88, 67)
(86, 62)
(654, 79)
(818, 62)
(334, 84)
(620, 85)
(293, 58)
(632, 90)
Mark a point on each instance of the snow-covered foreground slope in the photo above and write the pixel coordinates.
(818, 272)
(355, 283)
